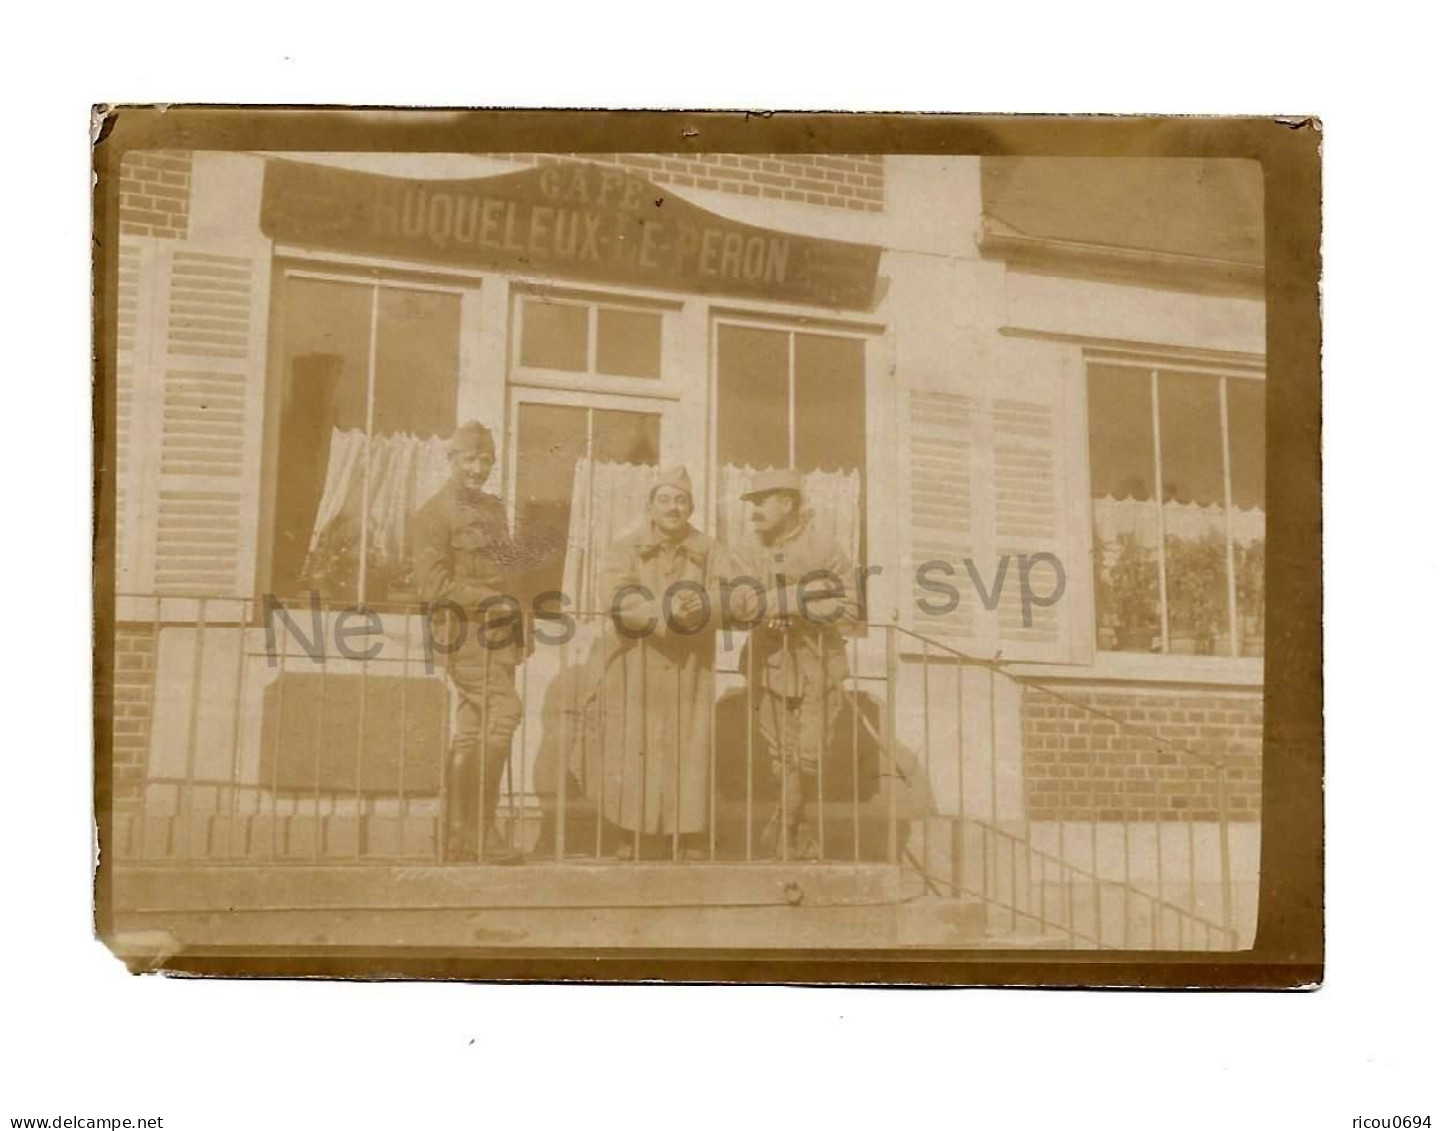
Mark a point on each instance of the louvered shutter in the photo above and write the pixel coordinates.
(992, 475)
(941, 453)
(1026, 512)
(198, 400)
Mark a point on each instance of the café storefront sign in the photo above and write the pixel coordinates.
(574, 220)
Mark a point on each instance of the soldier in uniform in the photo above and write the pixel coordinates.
(466, 564)
(795, 657)
(648, 711)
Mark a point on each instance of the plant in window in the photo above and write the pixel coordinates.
(1196, 590)
(1132, 595)
(1105, 616)
(333, 568)
(1251, 592)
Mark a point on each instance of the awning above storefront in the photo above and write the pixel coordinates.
(573, 220)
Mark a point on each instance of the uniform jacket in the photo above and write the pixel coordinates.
(465, 554)
(810, 653)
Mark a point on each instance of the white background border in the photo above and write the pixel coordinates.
(82, 1037)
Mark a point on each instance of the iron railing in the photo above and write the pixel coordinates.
(265, 746)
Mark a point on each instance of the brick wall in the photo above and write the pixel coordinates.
(134, 677)
(1080, 766)
(155, 193)
(855, 183)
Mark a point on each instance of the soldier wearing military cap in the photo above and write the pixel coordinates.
(646, 737)
(467, 563)
(795, 657)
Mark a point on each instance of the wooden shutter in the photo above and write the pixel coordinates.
(992, 475)
(1027, 521)
(196, 398)
(941, 449)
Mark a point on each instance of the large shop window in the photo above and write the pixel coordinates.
(369, 371)
(1178, 509)
(787, 398)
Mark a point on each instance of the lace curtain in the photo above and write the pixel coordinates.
(607, 500)
(405, 471)
(1136, 518)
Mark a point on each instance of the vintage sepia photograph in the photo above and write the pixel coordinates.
(693, 551)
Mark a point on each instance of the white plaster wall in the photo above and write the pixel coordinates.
(1047, 304)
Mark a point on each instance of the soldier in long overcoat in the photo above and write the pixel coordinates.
(648, 712)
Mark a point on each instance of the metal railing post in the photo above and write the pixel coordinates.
(643, 796)
(276, 747)
(711, 773)
(602, 791)
(855, 749)
(360, 751)
(479, 748)
(925, 769)
(562, 752)
(958, 837)
(1227, 911)
(235, 731)
(892, 707)
(151, 699)
(751, 723)
(822, 743)
(192, 730)
(402, 804)
(317, 841)
(676, 756)
(447, 759)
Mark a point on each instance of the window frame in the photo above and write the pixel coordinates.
(867, 334)
(1232, 667)
(880, 526)
(374, 275)
(666, 385)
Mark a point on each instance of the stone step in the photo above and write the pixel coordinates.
(594, 906)
(157, 888)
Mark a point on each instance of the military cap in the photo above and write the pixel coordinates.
(774, 479)
(472, 436)
(676, 477)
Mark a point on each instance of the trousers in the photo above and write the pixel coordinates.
(488, 712)
(794, 729)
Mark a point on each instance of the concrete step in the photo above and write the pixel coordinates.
(581, 905)
(466, 886)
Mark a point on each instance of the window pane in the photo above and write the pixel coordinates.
(324, 367)
(625, 437)
(550, 439)
(417, 362)
(830, 426)
(1191, 470)
(830, 403)
(1193, 486)
(1123, 458)
(627, 343)
(554, 335)
(1246, 415)
(753, 413)
(1126, 525)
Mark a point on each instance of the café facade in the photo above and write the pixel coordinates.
(1026, 397)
